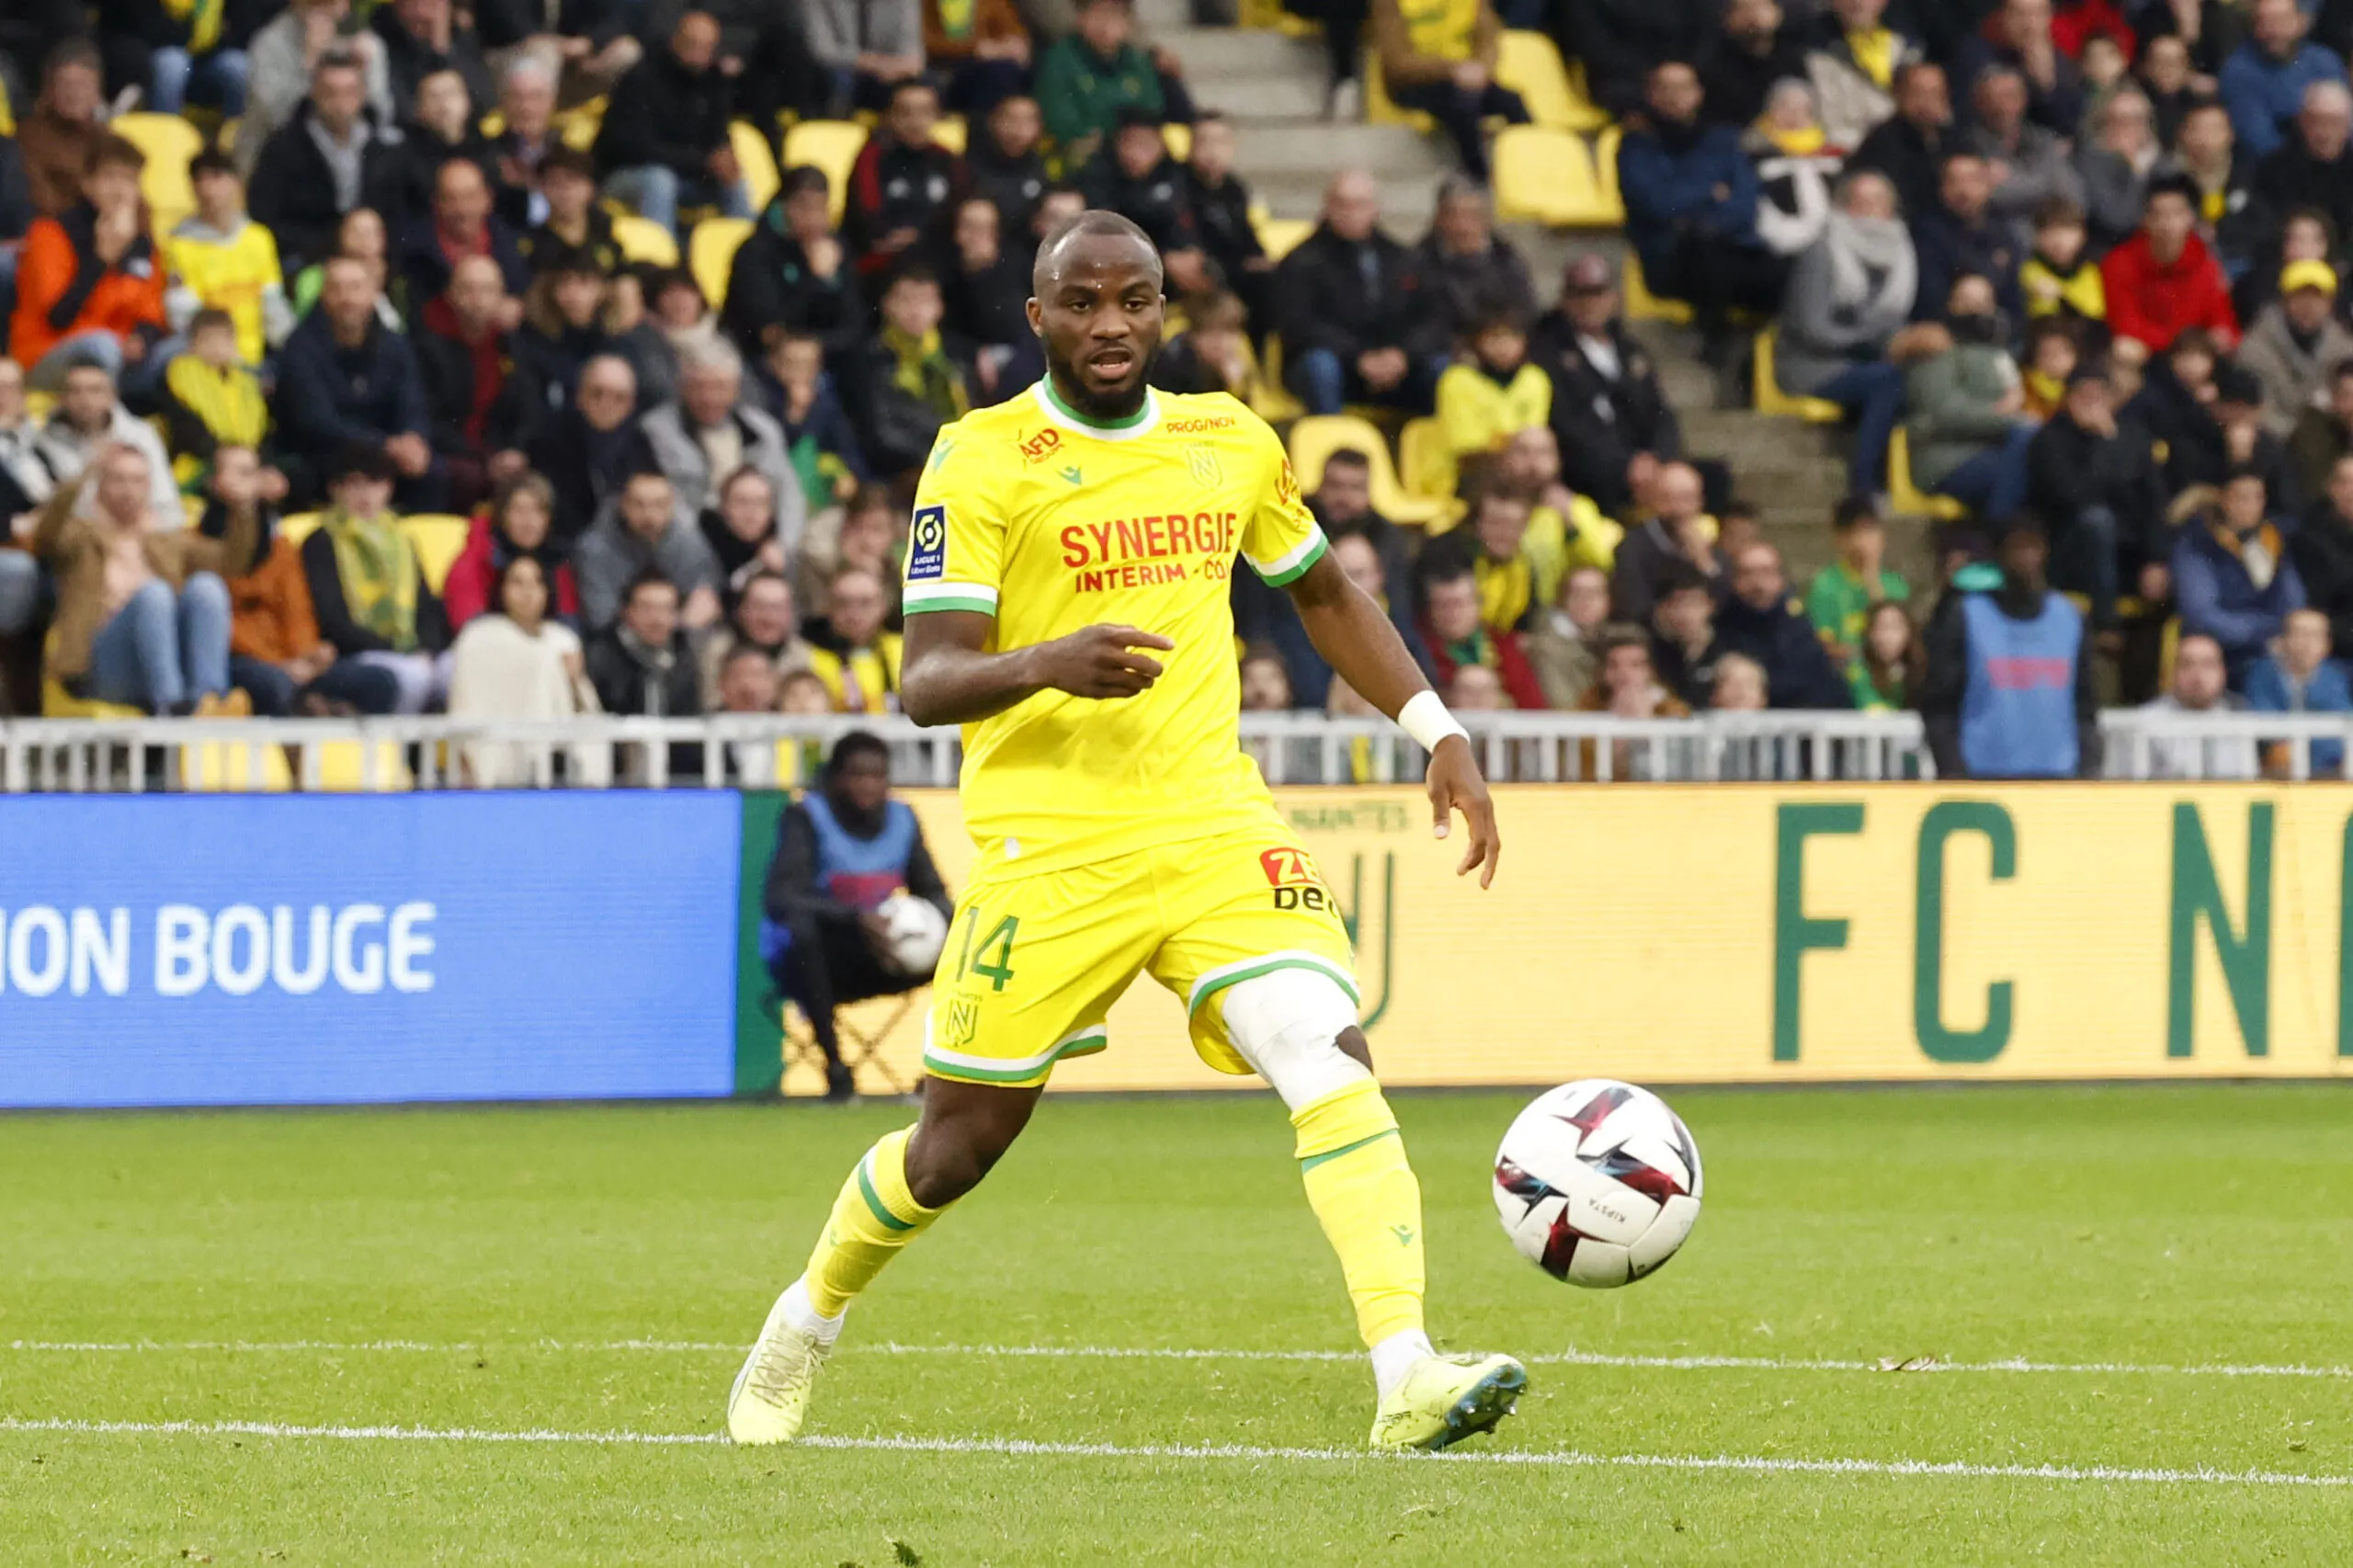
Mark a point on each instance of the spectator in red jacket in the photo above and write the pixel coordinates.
(1457, 635)
(904, 182)
(89, 284)
(519, 522)
(2164, 280)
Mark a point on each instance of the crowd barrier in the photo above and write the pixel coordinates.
(297, 949)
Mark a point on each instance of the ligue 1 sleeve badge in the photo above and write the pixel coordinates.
(927, 545)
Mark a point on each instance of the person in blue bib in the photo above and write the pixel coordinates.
(842, 850)
(2008, 692)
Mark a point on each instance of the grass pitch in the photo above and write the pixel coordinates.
(2138, 1301)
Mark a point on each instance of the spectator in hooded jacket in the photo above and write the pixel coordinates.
(1357, 324)
(1761, 621)
(1849, 295)
(664, 141)
(345, 379)
(89, 283)
(903, 184)
(2164, 280)
(2091, 476)
(1692, 198)
(793, 275)
(2263, 83)
(66, 121)
(329, 159)
(1440, 61)
(2232, 577)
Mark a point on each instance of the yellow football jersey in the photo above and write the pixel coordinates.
(1029, 512)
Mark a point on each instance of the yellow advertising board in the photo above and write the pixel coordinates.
(1752, 934)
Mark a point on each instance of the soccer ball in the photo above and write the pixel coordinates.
(913, 933)
(1597, 1182)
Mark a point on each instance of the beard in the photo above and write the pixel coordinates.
(1107, 404)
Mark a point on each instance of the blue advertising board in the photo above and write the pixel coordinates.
(183, 950)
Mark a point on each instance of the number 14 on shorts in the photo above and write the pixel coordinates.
(990, 957)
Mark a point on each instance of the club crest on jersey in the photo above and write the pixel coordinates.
(1200, 462)
(927, 545)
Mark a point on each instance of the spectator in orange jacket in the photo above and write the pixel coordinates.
(2164, 280)
(89, 283)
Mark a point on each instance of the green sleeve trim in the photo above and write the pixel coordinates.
(948, 601)
(1312, 1161)
(1298, 569)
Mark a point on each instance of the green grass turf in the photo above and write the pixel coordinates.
(2176, 1226)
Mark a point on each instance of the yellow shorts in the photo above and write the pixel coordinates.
(1034, 962)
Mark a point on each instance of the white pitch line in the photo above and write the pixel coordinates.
(1024, 1448)
(1158, 1353)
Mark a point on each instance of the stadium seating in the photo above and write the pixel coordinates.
(642, 239)
(831, 146)
(1426, 467)
(1771, 399)
(711, 253)
(1529, 64)
(1273, 402)
(1315, 438)
(1379, 109)
(439, 541)
(1640, 305)
(1281, 236)
(1906, 498)
(169, 143)
(952, 133)
(1543, 176)
(57, 702)
(757, 161)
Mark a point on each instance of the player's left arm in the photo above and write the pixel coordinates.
(1360, 641)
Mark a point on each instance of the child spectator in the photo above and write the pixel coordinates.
(519, 522)
(210, 400)
(89, 284)
(142, 615)
(1475, 688)
(1883, 676)
(576, 231)
(1483, 405)
(2051, 357)
(1842, 596)
(276, 655)
(367, 587)
(2301, 678)
(1491, 543)
(2059, 278)
(1086, 78)
(225, 261)
(1740, 685)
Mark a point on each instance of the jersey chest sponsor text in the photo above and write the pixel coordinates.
(1136, 552)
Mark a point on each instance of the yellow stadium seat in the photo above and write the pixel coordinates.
(711, 253)
(216, 766)
(952, 133)
(578, 127)
(169, 143)
(1179, 139)
(1907, 500)
(1528, 64)
(1548, 176)
(300, 527)
(832, 145)
(757, 160)
(1313, 441)
(1281, 235)
(1379, 109)
(343, 767)
(1426, 467)
(642, 239)
(1272, 400)
(1642, 304)
(439, 541)
(1771, 399)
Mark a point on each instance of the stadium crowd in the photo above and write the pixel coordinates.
(490, 367)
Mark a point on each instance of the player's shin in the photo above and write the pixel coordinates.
(1352, 1160)
(873, 1217)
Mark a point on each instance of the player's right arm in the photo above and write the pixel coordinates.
(955, 567)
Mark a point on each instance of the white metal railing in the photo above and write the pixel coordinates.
(756, 751)
(2139, 743)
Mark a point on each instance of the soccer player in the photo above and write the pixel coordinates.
(1067, 603)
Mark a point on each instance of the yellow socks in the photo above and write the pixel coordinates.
(1364, 1195)
(872, 1219)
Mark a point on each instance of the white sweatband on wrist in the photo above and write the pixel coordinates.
(1425, 720)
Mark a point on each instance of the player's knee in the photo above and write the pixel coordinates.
(1294, 1026)
(965, 1130)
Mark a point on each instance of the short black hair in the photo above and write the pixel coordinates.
(358, 459)
(1349, 457)
(801, 179)
(850, 747)
(2172, 184)
(1681, 577)
(906, 85)
(1854, 511)
(211, 161)
(652, 577)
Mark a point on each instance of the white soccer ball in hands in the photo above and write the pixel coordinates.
(913, 933)
(1597, 1182)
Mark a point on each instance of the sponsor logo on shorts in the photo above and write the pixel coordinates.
(927, 545)
(1297, 883)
